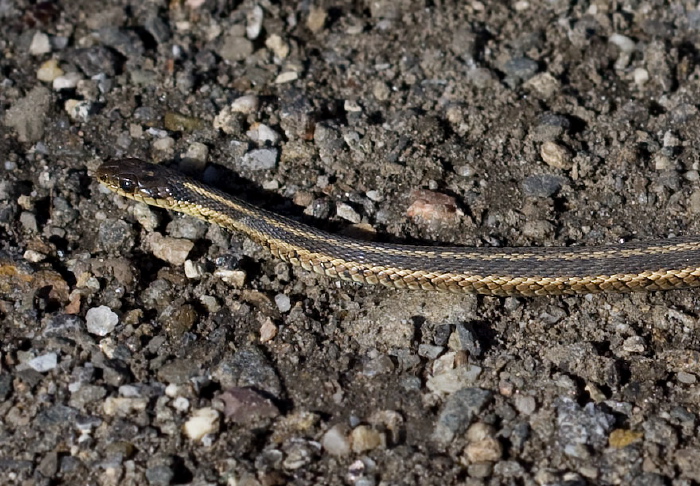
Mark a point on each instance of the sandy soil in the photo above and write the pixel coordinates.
(143, 347)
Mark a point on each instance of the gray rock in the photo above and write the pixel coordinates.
(115, 234)
(63, 325)
(160, 475)
(260, 159)
(522, 68)
(126, 42)
(45, 362)
(467, 339)
(580, 428)
(157, 27)
(95, 60)
(178, 371)
(235, 48)
(458, 412)
(544, 185)
(27, 114)
(248, 367)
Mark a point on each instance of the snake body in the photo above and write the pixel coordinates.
(639, 266)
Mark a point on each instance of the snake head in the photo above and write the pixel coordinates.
(138, 180)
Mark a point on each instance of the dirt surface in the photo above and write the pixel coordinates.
(141, 347)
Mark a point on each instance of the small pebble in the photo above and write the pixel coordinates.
(625, 44)
(634, 344)
(641, 76)
(365, 438)
(67, 81)
(268, 331)
(261, 133)
(40, 45)
(283, 302)
(286, 77)
(346, 212)
(78, 110)
(620, 438)
(165, 144)
(193, 270)
(317, 19)
(197, 153)
(335, 441)
(101, 320)
(246, 104)
(556, 155)
(429, 351)
(457, 413)
(683, 377)
(202, 422)
(172, 250)
(236, 48)
(34, 256)
(483, 446)
(123, 406)
(544, 185)
(210, 303)
(432, 207)
(48, 71)
(525, 404)
(235, 278)
(254, 22)
(381, 91)
(278, 46)
(352, 106)
(245, 405)
(43, 363)
(260, 159)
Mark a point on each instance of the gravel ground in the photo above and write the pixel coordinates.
(143, 347)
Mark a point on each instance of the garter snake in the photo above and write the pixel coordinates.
(638, 266)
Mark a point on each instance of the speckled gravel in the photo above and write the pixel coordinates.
(140, 347)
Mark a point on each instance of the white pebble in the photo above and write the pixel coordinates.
(335, 441)
(203, 422)
(40, 44)
(67, 81)
(166, 144)
(346, 211)
(283, 302)
(254, 24)
(286, 77)
(101, 320)
(44, 363)
(623, 42)
(641, 76)
(352, 106)
(181, 404)
(245, 104)
(193, 269)
(235, 278)
(262, 133)
(34, 256)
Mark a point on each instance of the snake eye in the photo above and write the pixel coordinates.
(127, 185)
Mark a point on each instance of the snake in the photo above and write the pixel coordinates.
(650, 265)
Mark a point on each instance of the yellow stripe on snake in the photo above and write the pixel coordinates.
(639, 266)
